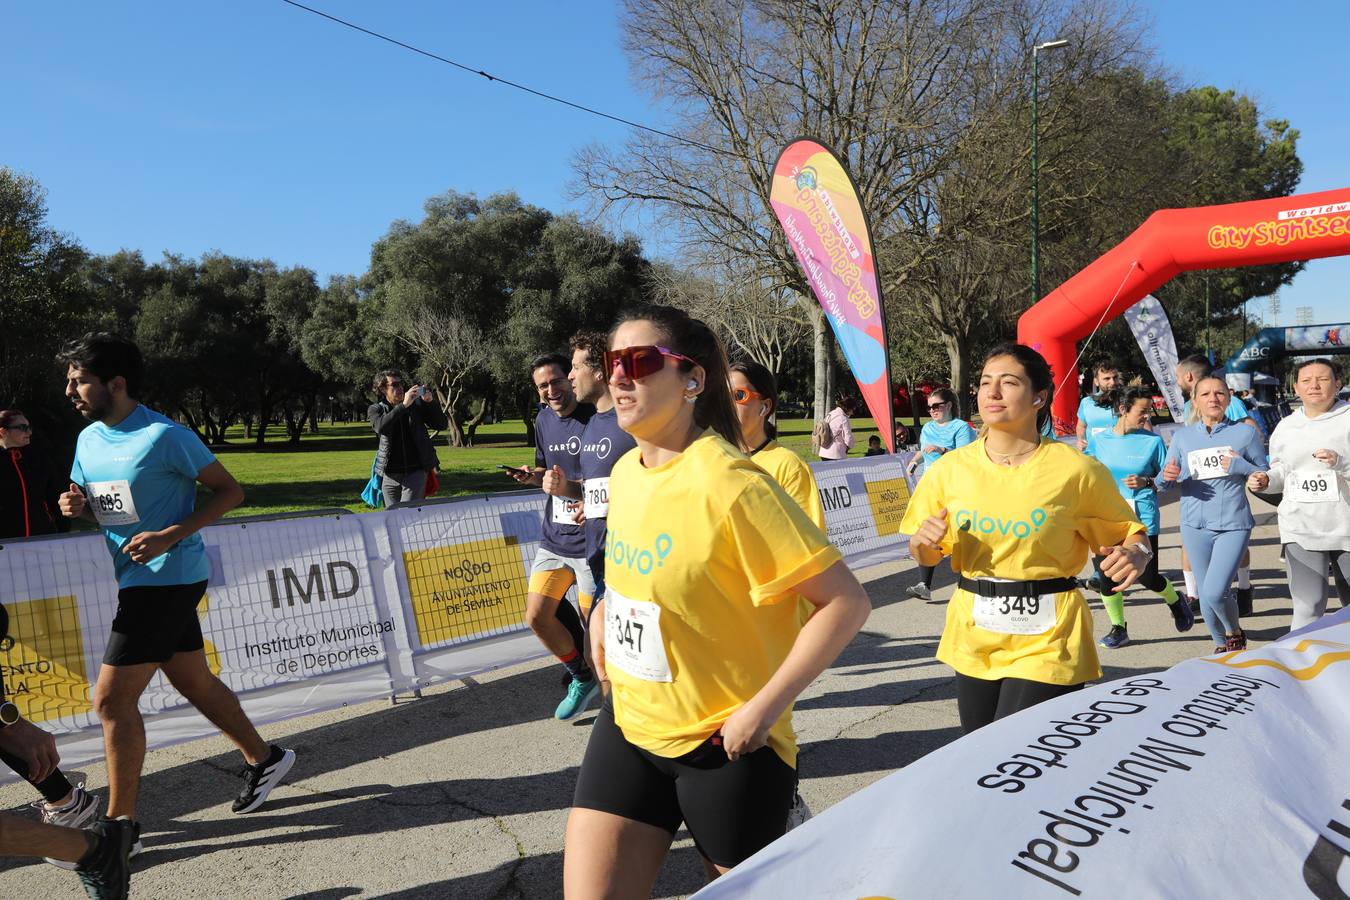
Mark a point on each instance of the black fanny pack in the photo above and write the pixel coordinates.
(984, 588)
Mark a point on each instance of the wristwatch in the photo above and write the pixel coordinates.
(9, 714)
(1145, 549)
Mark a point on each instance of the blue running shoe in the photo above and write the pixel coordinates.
(579, 696)
(1182, 616)
(1116, 638)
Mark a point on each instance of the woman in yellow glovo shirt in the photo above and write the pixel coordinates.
(1019, 514)
(705, 557)
(754, 390)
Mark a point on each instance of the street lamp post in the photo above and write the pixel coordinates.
(1035, 166)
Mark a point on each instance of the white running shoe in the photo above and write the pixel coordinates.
(920, 591)
(81, 811)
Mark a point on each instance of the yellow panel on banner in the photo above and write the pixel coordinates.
(43, 659)
(888, 498)
(466, 590)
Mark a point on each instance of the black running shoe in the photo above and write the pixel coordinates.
(105, 871)
(259, 780)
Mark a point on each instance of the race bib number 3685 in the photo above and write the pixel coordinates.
(633, 637)
(112, 503)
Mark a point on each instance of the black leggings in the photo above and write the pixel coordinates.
(980, 702)
(1151, 579)
(54, 787)
(926, 575)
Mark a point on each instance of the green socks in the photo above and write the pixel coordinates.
(1169, 593)
(1115, 608)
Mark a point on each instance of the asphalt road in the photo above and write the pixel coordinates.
(464, 793)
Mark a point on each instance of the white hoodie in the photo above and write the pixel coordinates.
(1313, 526)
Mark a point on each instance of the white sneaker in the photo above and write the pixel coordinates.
(799, 813)
(81, 811)
(920, 591)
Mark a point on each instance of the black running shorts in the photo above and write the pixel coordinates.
(732, 809)
(154, 622)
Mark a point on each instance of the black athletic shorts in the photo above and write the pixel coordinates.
(732, 809)
(154, 622)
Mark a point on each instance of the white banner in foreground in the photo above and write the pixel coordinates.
(1153, 330)
(305, 614)
(1222, 776)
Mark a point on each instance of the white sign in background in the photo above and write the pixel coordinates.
(1222, 776)
(306, 614)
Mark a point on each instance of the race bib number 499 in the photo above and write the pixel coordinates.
(112, 503)
(1312, 487)
(633, 637)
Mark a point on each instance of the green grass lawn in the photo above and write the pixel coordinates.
(329, 469)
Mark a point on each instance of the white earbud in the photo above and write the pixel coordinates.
(763, 410)
(1037, 402)
(692, 385)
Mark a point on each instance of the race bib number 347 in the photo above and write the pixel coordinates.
(112, 503)
(633, 637)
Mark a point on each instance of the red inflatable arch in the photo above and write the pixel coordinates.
(1308, 226)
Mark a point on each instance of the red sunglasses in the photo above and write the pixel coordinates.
(639, 362)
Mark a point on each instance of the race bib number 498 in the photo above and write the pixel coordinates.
(1208, 463)
(633, 640)
(112, 503)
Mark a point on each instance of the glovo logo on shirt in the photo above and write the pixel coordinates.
(1315, 655)
(973, 521)
(621, 553)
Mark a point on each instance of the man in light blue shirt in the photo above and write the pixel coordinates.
(1093, 417)
(136, 474)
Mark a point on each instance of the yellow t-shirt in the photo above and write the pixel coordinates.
(794, 476)
(1025, 523)
(702, 550)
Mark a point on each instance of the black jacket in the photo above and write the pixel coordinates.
(405, 445)
(29, 491)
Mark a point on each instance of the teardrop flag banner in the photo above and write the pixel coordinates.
(818, 206)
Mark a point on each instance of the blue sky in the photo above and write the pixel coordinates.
(261, 130)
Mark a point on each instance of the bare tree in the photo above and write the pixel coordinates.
(755, 316)
(451, 351)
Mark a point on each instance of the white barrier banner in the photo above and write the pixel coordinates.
(304, 614)
(1222, 775)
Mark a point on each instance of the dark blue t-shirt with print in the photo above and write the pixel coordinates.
(602, 443)
(558, 443)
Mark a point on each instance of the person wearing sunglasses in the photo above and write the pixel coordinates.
(754, 391)
(29, 486)
(702, 645)
(942, 433)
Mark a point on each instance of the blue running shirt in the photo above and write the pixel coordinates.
(950, 435)
(141, 475)
(1135, 453)
(602, 443)
(557, 442)
(1096, 420)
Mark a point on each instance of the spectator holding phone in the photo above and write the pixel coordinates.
(401, 418)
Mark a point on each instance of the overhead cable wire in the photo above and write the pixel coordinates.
(520, 87)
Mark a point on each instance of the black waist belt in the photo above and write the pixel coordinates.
(986, 588)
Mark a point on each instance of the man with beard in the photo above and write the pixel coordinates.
(560, 561)
(136, 474)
